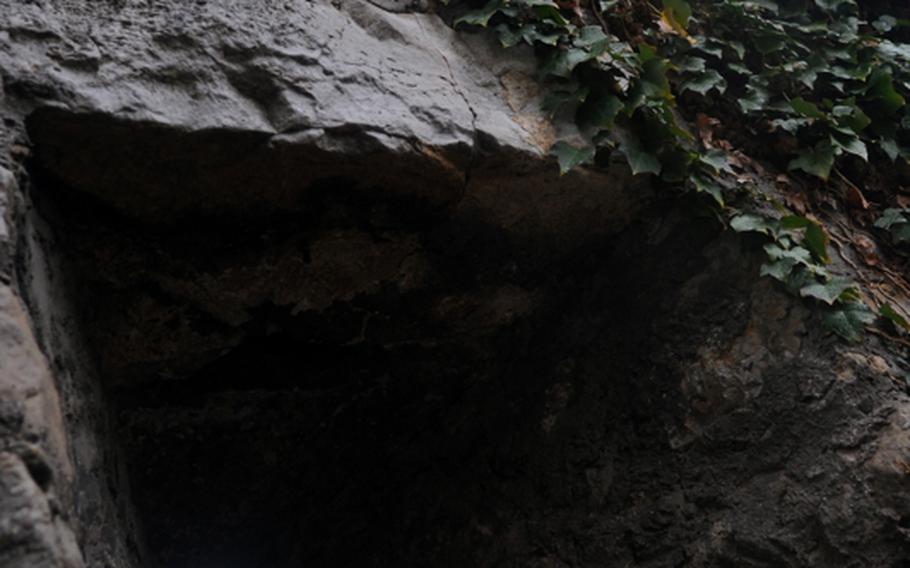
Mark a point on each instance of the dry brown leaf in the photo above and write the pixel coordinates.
(827, 198)
(867, 249)
(797, 201)
(705, 126)
(733, 157)
(856, 199)
(752, 164)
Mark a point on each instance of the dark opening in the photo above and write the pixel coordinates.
(365, 378)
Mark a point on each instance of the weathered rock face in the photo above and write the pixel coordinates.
(220, 109)
(308, 292)
(31, 426)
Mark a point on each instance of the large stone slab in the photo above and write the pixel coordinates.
(164, 111)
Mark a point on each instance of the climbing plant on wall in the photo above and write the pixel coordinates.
(816, 79)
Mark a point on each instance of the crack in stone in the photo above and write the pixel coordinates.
(472, 161)
(401, 6)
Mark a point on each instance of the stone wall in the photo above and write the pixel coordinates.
(34, 458)
(297, 284)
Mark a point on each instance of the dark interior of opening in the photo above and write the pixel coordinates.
(480, 417)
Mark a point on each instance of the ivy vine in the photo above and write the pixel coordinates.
(825, 84)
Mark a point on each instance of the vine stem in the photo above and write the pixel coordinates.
(599, 16)
(897, 279)
(880, 333)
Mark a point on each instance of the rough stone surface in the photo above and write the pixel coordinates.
(309, 292)
(7, 195)
(270, 99)
(33, 452)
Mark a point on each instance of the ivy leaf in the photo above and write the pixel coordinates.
(768, 42)
(881, 88)
(828, 292)
(798, 255)
(832, 6)
(601, 111)
(555, 100)
(768, 5)
(791, 222)
(886, 311)
(675, 16)
(884, 24)
(507, 36)
(704, 184)
(563, 61)
(848, 322)
(589, 36)
(704, 82)
(816, 240)
(779, 269)
(798, 279)
(890, 148)
(675, 164)
(656, 87)
(817, 161)
(717, 160)
(851, 116)
(891, 51)
(640, 160)
(756, 97)
(549, 11)
(806, 72)
(895, 221)
(481, 16)
(806, 108)
(646, 54)
(739, 68)
(851, 144)
(691, 65)
(569, 156)
(529, 34)
(753, 223)
(890, 218)
(737, 48)
(712, 50)
(679, 12)
(668, 120)
(791, 125)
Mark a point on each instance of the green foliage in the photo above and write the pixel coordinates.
(808, 71)
(569, 156)
(815, 72)
(897, 222)
(848, 321)
(822, 75)
(889, 313)
(797, 254)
